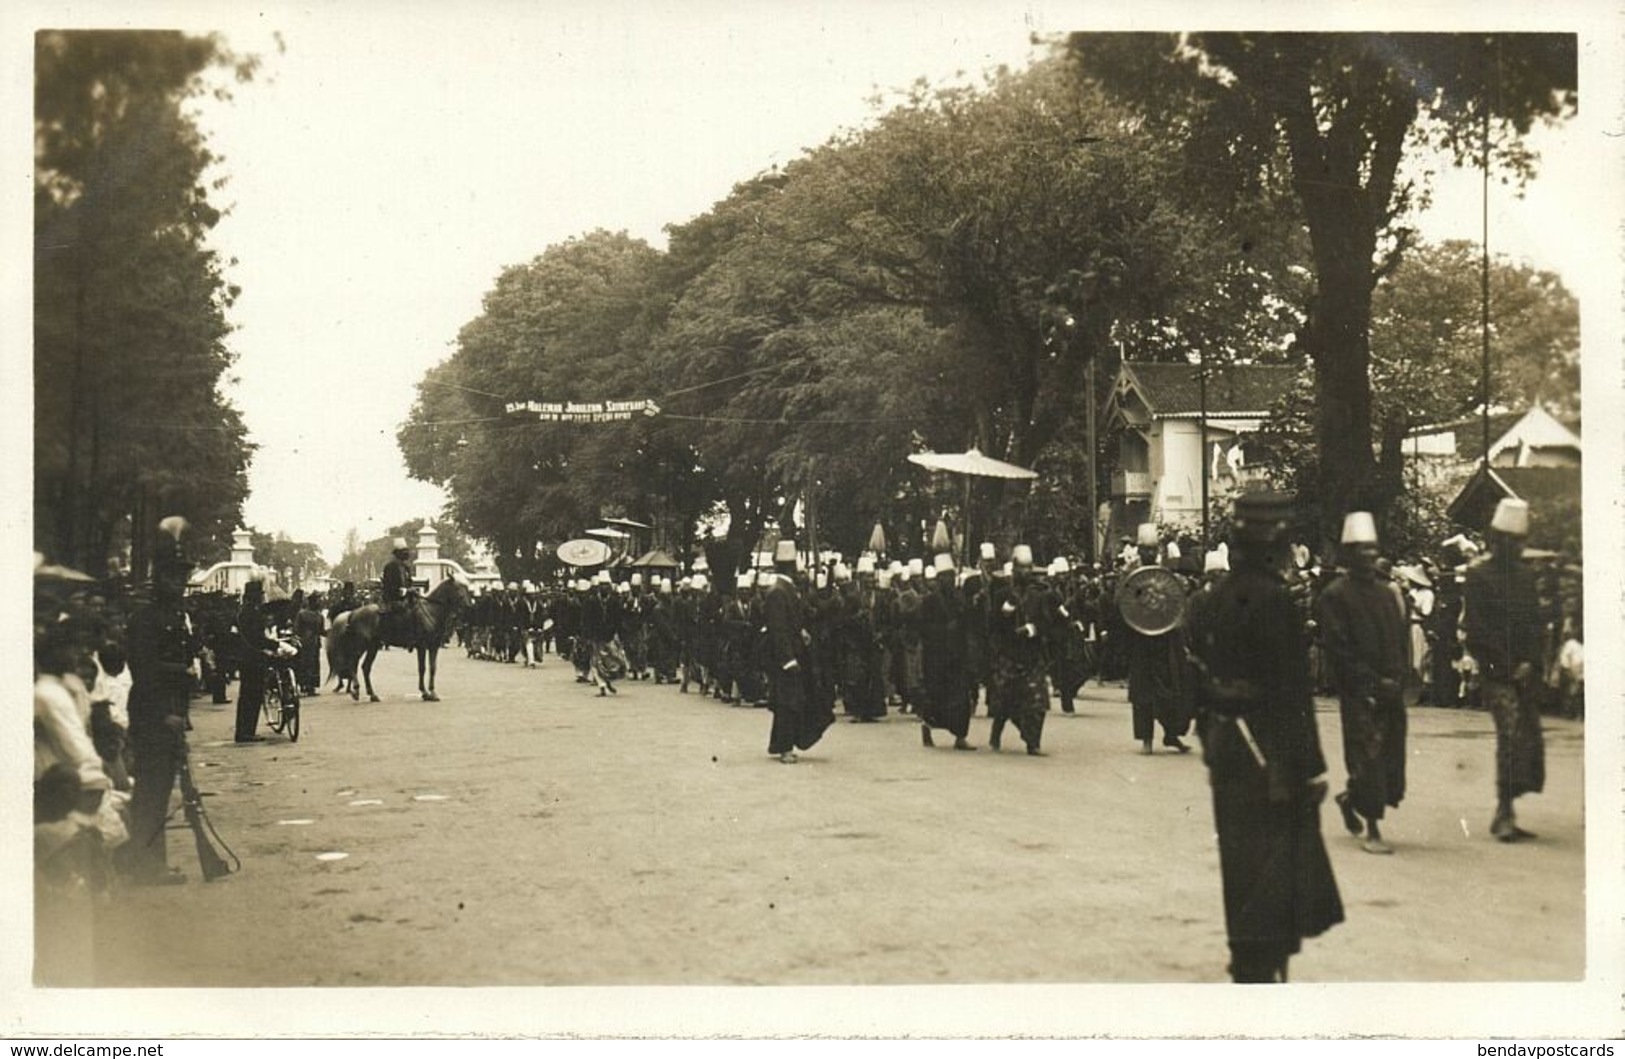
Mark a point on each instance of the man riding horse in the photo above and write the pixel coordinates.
(398, 594)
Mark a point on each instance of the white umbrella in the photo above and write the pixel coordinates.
(612, 534)
(583, 552)
(971, 463)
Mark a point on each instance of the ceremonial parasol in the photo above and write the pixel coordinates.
(612, 534)
(877, 540)
(971, 463)
(583, 552)
(627, 522)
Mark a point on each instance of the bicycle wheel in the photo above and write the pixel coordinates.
(290, 707)
(271, 701)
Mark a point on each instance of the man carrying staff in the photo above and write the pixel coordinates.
(1249, 646)
(799, 718)
(1503, 625)
(1364, 633)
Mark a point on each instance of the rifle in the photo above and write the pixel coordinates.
(212, 864)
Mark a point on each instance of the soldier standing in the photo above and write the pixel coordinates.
(1364, 634)
(1502, 621)
(161, 651)
(1262, 749)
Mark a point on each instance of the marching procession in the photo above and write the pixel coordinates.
(1216, 601)
(1235, 652)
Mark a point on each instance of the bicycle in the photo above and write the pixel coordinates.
(280, 703)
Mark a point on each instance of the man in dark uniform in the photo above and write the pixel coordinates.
(1157, 690)
(799, 716)
(1262, 748)
(162, 648)
(393, 587)
(944, 634)
(251, 650)
(1022, 614)
(1365, 634)
(1502, 620)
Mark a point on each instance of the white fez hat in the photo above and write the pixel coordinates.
(988, 552)
(1173, 551)
(866, 564)
(746, 579)
(916, 566)
(785, 552)
(1359, 528)
(820, 580)
(637, 579)
(1022, 556)
(1215, 562)
(843, 572)
(398, 544)
(699, 581)
(602, 578)
(623, 588)
(931, 573)
(1060, 566)
(1146, 535)
(1511, 517)
(943, 562)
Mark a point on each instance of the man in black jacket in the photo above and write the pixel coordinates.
(799, 716)
(1262, 750)
(162, 649)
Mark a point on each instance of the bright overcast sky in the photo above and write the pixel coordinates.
(395, 157)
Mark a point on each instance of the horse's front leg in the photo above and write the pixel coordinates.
(366, 673)
(427, 658)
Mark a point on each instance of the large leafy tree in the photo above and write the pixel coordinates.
(129, 303)
(566, 326)
(1331, 116)
(950, 235)
(1426, 368)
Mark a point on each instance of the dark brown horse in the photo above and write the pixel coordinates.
(357, 636)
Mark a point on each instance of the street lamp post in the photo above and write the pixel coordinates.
(1201, 391)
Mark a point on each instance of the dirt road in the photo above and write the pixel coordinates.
(525, 832)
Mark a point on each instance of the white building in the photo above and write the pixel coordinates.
(1158, 412)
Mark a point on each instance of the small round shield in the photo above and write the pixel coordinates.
(1152, 600)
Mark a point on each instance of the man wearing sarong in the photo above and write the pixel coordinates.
(601, 627)
(799, 718)
(663, 633)
(1502, 620)
(1262, 749)
(858, 647)
(1019, 621)
(1364, 635)
(1157, 689)
(944, 638)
